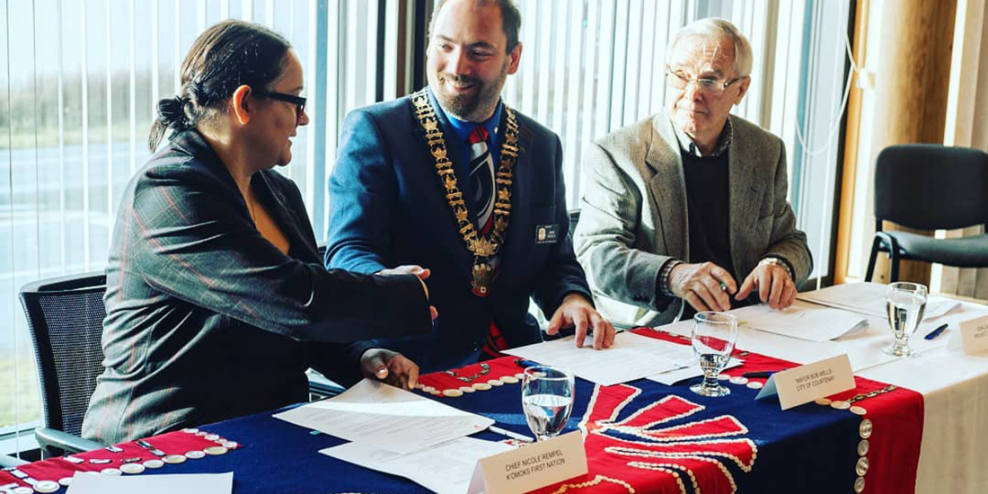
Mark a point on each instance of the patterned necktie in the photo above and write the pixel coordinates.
(481, 177)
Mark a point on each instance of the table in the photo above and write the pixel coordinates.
(716, 443)
(954, 448)
(757, 447)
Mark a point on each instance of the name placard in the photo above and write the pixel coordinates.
(808, 382)
(531, 467)
(974, 335)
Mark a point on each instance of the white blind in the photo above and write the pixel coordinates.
(591, 67)
(79, 86)
(80, 81)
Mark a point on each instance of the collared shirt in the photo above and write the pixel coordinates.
(462, 129)
(723, 142)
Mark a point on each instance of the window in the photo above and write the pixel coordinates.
(79, 83)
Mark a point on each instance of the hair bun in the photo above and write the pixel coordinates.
(172, 112)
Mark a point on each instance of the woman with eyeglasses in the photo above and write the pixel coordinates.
(217, 301)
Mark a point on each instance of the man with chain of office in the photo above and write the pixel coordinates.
(679, 206)
(455, 186)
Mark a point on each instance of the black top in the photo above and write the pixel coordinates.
(205, 319)
(708, 200)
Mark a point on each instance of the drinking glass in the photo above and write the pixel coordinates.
(905, 304)
(713, 337)
(547, 398)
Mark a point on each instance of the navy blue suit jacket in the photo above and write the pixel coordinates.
(388, 208)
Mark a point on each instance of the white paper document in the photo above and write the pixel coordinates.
(198, 483)
(386, 417)
(445, 469)
(864, 348)
(869, 299)
(631, 357)
(672, 377)
(801, 320)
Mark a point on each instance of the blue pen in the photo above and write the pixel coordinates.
(936, 332)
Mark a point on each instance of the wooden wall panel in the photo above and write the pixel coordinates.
(917, 85)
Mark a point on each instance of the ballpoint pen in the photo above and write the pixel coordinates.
(512, 435)
(936, 332)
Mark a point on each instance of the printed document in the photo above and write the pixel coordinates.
(445, 469)
(631, 357)
(199, 483)
(869, 299)
(801, 320)
(386, 417)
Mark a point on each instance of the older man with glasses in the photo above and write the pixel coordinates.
(679, 206)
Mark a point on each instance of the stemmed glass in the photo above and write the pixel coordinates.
(905, 304)
(547, 398)
(713, 337)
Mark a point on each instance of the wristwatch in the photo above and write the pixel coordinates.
(775, 261)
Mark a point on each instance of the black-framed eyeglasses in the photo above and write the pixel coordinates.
(713, 87)
(298, 101)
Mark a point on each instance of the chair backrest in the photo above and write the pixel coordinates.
(65, 316)
(574, 218)
(930, 187)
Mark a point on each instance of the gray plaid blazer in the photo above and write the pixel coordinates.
(207, 320)
(633, 216)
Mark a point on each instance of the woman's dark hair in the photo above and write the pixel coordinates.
(224, 57)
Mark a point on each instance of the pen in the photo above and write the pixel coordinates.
(765, 374)
(525, 363)
(512, 435)
(936, 332)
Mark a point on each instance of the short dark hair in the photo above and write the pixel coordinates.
(224, 57)
(510, 19)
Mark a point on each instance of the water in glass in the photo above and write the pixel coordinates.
(547, 400)
(905, 304)
(713, 337)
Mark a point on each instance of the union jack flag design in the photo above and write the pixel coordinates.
(624, 451)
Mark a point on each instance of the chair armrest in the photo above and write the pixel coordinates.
(53, 438)
(10, 461)
(623, 326)
(321, 387)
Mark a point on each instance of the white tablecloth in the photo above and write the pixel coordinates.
(954, 452)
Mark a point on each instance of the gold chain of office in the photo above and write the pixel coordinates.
(487, 246)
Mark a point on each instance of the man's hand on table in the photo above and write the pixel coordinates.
(389, 367)
(421, 273)
(577, 311)
(705, 286)
(773, 283)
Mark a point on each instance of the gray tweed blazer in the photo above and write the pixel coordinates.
(634, 219)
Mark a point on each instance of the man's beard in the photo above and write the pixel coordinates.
(472, 107)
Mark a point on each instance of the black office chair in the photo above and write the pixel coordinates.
(930, 187)
(65, 316)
